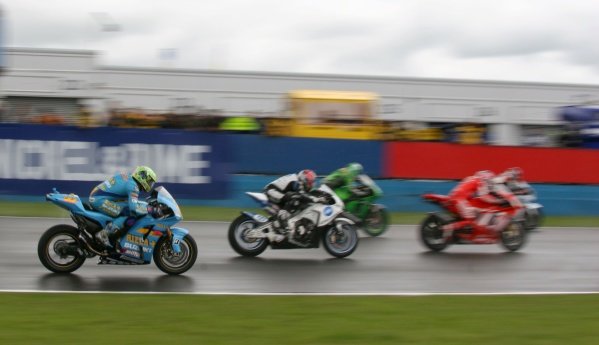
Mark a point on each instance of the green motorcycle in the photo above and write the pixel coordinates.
(374, 218)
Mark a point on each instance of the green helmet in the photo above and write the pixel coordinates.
(354, 169)
(145, 177)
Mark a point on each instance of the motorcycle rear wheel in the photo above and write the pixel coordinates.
(175, 263)
(513, 237)
(431, 233)
(377, 220)
(55, 249)
(238, 237)
(341, 239)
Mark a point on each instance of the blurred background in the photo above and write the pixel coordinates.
(422, 95)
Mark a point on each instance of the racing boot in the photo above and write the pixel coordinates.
(116, 233)
(103, 235)
(280, 223)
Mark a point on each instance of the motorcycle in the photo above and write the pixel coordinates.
(64, 248)
(317, 219)
(373, 218)
(533, 211)
(432, 235)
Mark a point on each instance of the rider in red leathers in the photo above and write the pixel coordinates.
(473, 195)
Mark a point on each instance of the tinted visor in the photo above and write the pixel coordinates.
(150, 182)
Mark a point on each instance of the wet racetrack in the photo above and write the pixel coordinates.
(553, 260)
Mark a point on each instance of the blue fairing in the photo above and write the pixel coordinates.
(73, 204)
(166, 198)
(178, 235)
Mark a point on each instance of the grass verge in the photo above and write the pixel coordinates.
(208, 213)
(264, 320)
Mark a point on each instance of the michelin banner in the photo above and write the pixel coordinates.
(35, 158)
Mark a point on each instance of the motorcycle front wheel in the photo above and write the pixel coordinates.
(514, 236)
(239, 240)
(170, 262)
(58, 249)
(377, 220)
(431, 233)
(341, 239)
(533, 219)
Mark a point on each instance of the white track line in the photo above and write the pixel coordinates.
(351, 294)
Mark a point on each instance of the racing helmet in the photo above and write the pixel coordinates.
(354, 169)
(306, 179)
(514, 174)
(485, 176)
(145, 177)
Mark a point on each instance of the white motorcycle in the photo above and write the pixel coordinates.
(533, 211)
(318, 218)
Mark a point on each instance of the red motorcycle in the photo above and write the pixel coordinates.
(512, 237)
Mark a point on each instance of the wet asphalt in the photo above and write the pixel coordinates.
(553, 260)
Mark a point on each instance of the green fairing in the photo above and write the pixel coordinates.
(341, 181)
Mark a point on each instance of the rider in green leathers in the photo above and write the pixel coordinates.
(359, 193)
(342, 180)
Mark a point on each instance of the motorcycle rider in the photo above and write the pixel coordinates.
(285, 193)
(472, 195)
(344, 178)
(117, 197)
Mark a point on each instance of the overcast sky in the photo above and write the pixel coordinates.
(521, 40)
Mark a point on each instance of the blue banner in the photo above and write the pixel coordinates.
(36, 158)
(259, 154)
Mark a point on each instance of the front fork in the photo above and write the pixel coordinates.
(176, 236)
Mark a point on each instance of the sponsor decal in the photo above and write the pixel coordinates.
(132, 253)
(71, 198)
(137, 240)
(261, 218)
(131, 246)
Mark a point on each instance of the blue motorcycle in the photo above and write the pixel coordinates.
(64, 248)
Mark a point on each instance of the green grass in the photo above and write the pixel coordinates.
(263, 320)
(47, 209)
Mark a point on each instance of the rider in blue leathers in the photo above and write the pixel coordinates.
(118, 197)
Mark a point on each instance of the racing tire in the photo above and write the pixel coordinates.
(533, 221)
(238, 237)
(55, 249)
(513, 237)
(377, 220)
(431, 233)
(173, 263)
(341, 239)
